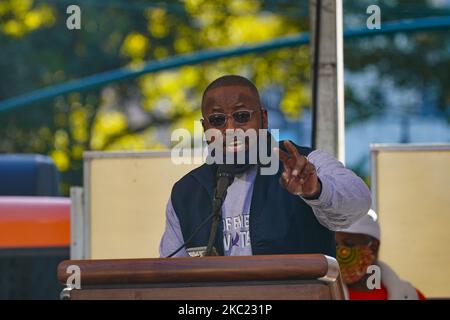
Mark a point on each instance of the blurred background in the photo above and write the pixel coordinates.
(397, 85)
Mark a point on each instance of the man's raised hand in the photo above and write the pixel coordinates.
(299, 176)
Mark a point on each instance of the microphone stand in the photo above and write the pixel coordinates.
(225, 178)
(217, 206)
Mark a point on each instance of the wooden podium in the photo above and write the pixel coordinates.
(274, 277)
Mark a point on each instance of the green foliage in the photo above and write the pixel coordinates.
(133, 114)
(418, 61)
(37, 50)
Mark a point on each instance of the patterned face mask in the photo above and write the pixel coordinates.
(354, 262)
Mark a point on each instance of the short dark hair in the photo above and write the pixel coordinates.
(230, 80)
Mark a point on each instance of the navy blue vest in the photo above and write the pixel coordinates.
(280, 222)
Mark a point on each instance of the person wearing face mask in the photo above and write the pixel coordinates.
(356, 249)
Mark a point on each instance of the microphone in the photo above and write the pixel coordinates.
(224, 177)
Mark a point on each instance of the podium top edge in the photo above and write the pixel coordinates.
(199, 269)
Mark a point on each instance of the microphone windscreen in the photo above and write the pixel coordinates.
(225, 170)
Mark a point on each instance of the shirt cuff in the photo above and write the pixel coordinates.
(324, 200)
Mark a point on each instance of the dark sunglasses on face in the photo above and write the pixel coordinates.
(220, 119)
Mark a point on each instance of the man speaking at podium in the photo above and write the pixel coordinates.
(293, 211)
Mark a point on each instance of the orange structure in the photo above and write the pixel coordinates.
(34, 222)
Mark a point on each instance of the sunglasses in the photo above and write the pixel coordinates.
(220, 119)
